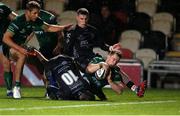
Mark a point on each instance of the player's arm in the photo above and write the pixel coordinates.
(7, 39)
(55, 28)
(58, 48)
(117, 87)
(92, 68)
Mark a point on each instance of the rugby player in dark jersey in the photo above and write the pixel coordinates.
(65, 80)
(81, 39)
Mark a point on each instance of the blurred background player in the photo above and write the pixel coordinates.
(115, 77)
(108, 25)
(81, 39)
(17, 33)
(6, 16)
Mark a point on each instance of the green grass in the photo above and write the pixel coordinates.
(125, 104)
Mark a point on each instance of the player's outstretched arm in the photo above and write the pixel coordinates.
(7, 39)
(55, 28)
(40, 56)
(115, 86)
(92, 68)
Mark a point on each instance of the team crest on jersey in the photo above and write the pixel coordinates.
(68, 35)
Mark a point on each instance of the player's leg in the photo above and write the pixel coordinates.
(20, 60)
(86, 95)
(8, 77)
(53, 90)
(142, 88)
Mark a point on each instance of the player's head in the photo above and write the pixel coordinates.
(87, 95)
(105, 11)
(32, 10)
(82, 17)
(38, 1)
(114, 55)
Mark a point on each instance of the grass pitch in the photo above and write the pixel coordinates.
(155, 102)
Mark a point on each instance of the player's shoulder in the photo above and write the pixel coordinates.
(70, 30)
(44, 12)
(2, 6)
(18, 22)
(20, 18)
(116, 68)
(47, 17)
(4, 9)
(91, 27)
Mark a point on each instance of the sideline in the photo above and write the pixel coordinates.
(87, 105)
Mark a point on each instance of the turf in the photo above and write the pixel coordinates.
(155, 102)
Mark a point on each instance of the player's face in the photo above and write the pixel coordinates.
(82, 20)
(33, 14)
(105, 12)
(112, 59)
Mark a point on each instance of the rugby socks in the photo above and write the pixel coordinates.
(8, 78)
(18, 84)
(132, 86)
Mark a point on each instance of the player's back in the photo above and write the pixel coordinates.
(68, 77)
(47, 40)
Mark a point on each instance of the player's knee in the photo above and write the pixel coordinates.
(52, 92)
(6, 65)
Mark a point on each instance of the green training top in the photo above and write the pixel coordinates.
(21, 29)
(46, 39)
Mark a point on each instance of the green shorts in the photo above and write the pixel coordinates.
(5, 50)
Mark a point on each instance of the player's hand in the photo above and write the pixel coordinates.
(23, 51)
(32, 53)
(67, 26)
(106, 67)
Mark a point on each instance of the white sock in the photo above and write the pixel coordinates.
(134, 88)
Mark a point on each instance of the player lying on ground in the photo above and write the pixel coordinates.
(102, 72)
(65, 80)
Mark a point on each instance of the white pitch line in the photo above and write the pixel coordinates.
(86, 105)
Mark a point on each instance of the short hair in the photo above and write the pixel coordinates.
(33, 5)
(38, 1)
(83, 11)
